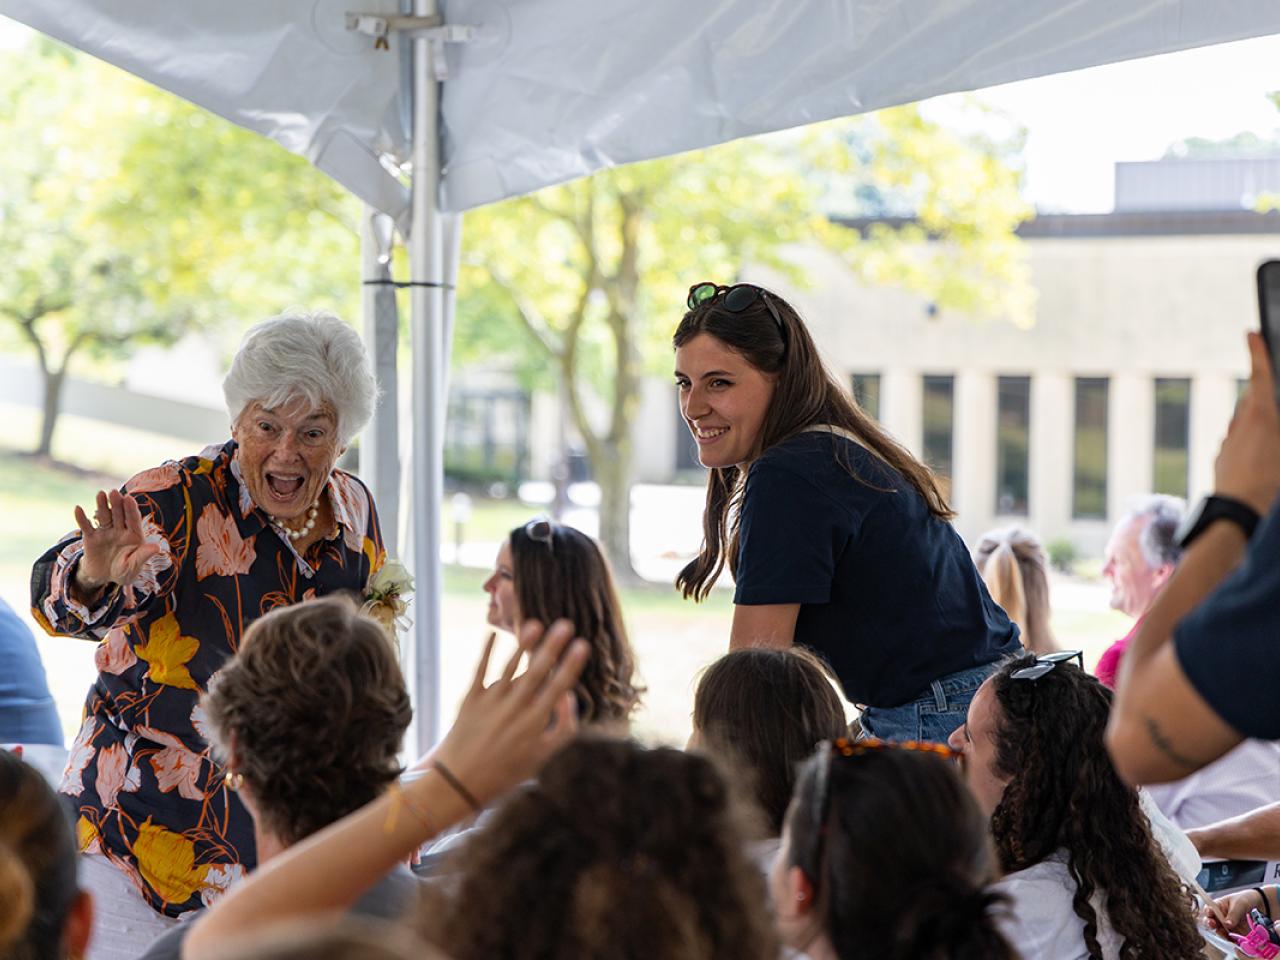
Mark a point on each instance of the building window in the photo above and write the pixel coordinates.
(866, 391)
(939, 424)
(1173, 433)
(1089, 480)
(1013, 432)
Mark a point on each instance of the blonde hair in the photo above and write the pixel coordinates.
(1014, 567)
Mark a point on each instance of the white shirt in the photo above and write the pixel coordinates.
(1042, 922)
(1246, 778)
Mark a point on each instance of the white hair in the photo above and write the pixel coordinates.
(313, 356)
(1158, 540)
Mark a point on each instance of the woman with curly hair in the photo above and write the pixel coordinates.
(546, 571)
(885, 854)
(1084, 873)
(308, 719)
(615, 851)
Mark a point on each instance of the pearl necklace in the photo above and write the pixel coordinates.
(306, 527)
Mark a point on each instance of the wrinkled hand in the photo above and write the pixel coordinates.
(1235, 908)
(1248, 464)
(506, 730)
(114, 548)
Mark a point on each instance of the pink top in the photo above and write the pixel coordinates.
(1109, 662)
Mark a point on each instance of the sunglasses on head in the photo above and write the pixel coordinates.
(844, 747)
(1047, 664)
(542, 530)
(735, 299)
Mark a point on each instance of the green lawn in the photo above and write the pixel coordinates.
(674, 639)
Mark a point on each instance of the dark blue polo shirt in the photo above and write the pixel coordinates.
(1229, 646)
(888, 593)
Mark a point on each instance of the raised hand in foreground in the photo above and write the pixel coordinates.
(503, 734)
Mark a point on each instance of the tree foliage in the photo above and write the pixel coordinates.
(129, 216)
(588, 280)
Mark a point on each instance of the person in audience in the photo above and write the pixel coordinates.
(1085, 876)
(616, 850)
(545, 571)
(166, 577)
(833, 531)
(763, 710)
(44, 915)
(1015, 569)
(1198, 677)
(28, 715)
(1138, 560)
(503, 734)
(308, 719)
(886, 854)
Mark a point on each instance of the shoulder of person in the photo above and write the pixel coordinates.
(204, 466)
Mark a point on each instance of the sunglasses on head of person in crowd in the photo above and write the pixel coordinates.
(1047, 664)
(735, 299)
(541, 529)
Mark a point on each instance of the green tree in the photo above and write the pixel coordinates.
(593, 274)
(129, 216)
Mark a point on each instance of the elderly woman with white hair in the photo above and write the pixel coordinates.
(167, 576)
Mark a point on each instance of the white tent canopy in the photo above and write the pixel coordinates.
(549, 90)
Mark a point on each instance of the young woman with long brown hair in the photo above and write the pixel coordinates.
(838, 538)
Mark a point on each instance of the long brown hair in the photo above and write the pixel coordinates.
(764, 710)
(569, 577)
(615, 851)
(805, 395)
(1013, 565)
(1064, 795)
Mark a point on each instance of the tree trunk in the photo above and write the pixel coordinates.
(613, 473)
(53, 382)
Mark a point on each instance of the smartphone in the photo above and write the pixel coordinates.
(1269, 309)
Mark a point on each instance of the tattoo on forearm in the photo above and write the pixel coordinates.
(1165, 746)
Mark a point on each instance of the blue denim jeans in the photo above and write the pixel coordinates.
(933, 715)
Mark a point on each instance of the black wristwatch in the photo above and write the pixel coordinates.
(1212, 509)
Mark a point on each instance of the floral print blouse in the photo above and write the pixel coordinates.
(148, 794)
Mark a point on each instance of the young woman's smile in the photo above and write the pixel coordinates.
(723, 399)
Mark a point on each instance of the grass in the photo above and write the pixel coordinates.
(673, 638)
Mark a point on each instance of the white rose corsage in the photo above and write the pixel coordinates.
(386, 598)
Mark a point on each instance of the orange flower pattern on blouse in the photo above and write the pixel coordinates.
(146, 790)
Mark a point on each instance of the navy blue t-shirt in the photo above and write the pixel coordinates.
(888, 593)
(1229, 646)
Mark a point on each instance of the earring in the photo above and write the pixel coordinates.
(802, 896)
(234, 781)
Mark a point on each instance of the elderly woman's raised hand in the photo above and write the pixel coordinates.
(115, 548)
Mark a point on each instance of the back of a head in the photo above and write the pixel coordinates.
(1064, 796)
(37, 864)
(898, 856)
(316, 707)
(567, 576)
(1015, 569)
(617, 851)
(764, 710)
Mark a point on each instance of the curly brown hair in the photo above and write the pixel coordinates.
(570, 578)
(764, 710)
(899, 858)
(1064, 795)
(314, 708)
(615, 851)
(37, 864)
(805, 395)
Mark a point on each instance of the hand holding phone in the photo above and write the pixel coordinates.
(1269, 311)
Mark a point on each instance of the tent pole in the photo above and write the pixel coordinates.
(427, 479)
(380, 444)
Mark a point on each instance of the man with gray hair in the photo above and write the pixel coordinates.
(1139, 558)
